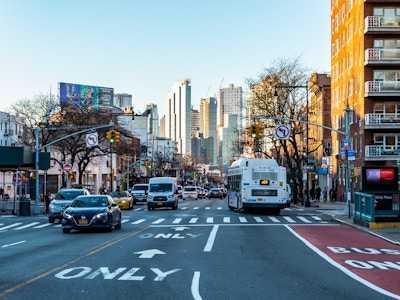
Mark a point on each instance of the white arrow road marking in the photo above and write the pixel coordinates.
(13, 244)
(149, 253)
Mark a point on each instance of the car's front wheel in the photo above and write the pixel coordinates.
(66, 230)
(51, 219)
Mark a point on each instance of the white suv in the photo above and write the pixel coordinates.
(190, 192)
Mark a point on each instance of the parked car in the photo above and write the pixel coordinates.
(123, 199)
(91, 211)
(215, 193)
(190, 192)
(180, 190)
(139, 192)
(63, 198)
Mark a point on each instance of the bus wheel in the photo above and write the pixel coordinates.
(277, 211)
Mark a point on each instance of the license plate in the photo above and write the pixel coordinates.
(61, 213)
(259, 199)
(83, 222)
(159, 203)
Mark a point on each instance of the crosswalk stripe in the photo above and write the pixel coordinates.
(27, 225)
(208, 207)
(158, 221)
(138, 221)
(193, 220)
(243, 219)
(137, 209)
(10, 226)
(258, 219)
(43, 225)
(227, 219)
(273, 219)
(304, 219)
(316, 218)
(289, 219)
(210, 220)
(124, 220)
(219, 207)
(177, 221)
(196, 207)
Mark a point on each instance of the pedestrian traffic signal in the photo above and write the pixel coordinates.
(72, 176)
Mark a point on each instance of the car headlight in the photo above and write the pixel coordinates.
(102, 215)
(67, 216)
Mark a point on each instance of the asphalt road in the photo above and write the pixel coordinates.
(200, 251)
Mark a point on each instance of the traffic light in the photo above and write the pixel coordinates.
(116, 136)
(111, 135)
(304, 151)
(259, 131)
(147, 163)
(253, 130)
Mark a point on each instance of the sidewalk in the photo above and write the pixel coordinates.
(8, 208)
(389, 231)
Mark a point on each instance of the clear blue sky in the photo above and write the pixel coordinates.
(142, 47)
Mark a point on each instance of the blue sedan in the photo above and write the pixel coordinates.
(92, 211)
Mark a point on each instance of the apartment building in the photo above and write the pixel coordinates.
(365, 77)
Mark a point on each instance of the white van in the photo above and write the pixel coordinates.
(162, 192)
(139, 192)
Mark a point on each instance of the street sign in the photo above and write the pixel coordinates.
(346, 145)
(67, 168)
(282, 132)
(17, 179)
(92, 139)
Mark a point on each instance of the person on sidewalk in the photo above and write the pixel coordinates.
(47, 199)
(317, 193)
(325, 194)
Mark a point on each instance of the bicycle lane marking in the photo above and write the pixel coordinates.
(364, 257)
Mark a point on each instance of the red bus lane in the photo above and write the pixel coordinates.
(367, 258)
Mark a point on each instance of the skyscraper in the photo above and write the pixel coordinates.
(231, 103)
(178, 115)
(153, 119)
(208, 122)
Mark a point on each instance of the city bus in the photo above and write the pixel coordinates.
(256, 183)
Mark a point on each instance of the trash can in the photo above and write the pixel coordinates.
(24, 207)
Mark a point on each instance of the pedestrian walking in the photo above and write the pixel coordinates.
(325, 194)
(318, 193)
(312, 193)
(47, 200)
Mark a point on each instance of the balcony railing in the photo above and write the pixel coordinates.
(387, 120)
(379, 56)
(380, 152)
(382, 88)
(382, 24)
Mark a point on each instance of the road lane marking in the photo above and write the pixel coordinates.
(258, 219)
(193, 220)
(242, 219)
(210, 220)
(13, 244)
(177, 221)
(211, 239)
(227, 219)
(43, 225)
(195, 286)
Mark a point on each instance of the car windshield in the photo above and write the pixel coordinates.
(140, 188)
(190, 189)
(90, 202)
(118, 194)
(160, 187)
(215, 190)
(68, 195)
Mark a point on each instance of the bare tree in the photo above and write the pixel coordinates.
(281, 92)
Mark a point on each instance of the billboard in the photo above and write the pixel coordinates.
(379, 179)
(84, 96)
